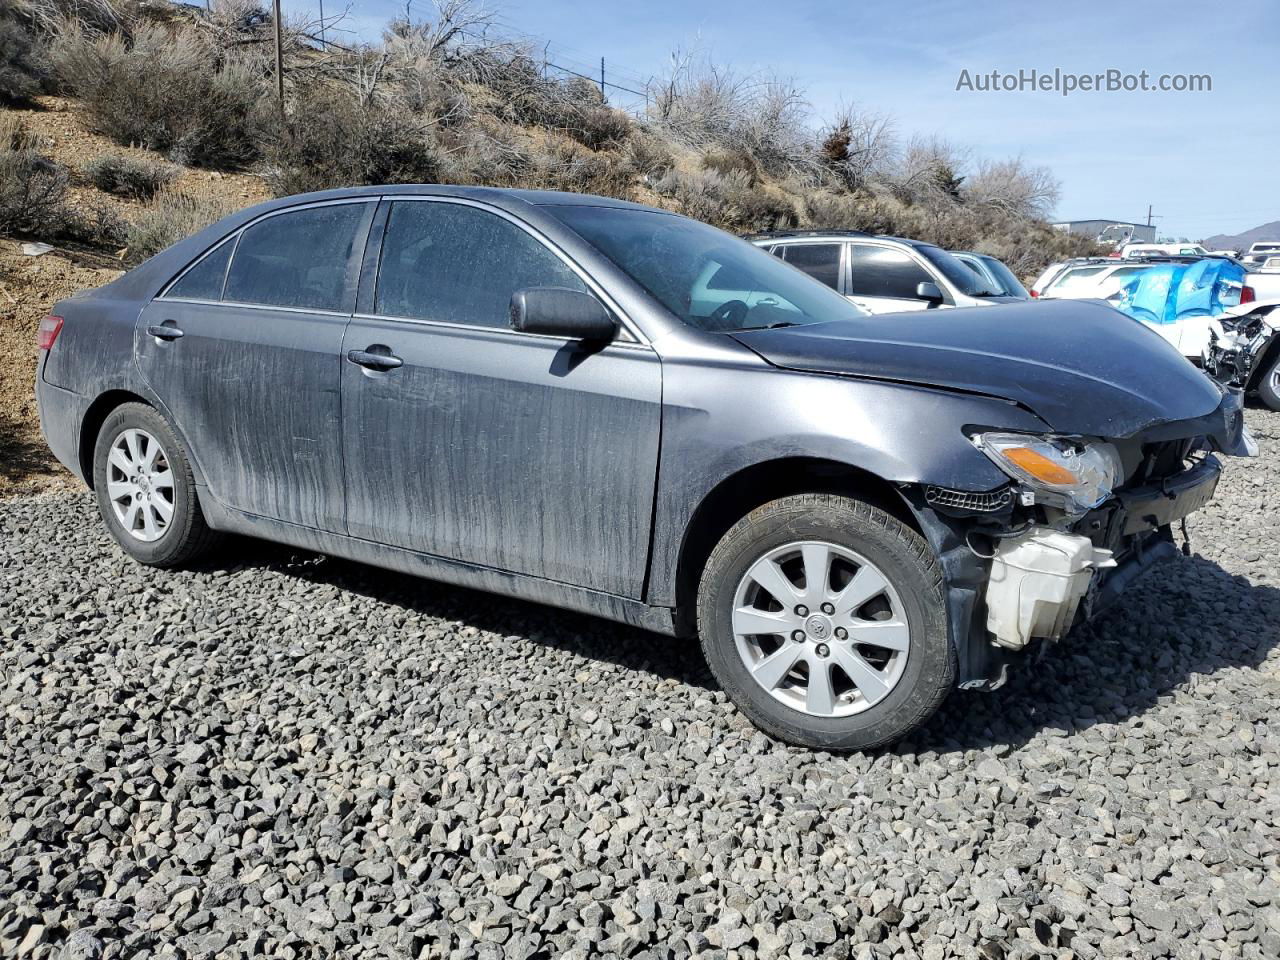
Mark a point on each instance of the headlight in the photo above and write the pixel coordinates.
(1064, 473)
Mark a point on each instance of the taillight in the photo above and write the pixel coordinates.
(1247, 294)
(50, 327)
(1034, 294)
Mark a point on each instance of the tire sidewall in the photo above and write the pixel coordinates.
(930, 660)
(171, 542)
(1266, 393)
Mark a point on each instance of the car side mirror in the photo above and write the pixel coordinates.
(561, 312)
(928, 290)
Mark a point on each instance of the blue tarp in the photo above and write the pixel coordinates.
(1169, 292)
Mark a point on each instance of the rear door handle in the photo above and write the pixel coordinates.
(164, 331)
(374, 361)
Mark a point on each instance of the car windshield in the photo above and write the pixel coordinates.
(1004, 275)
(966, 280)
(708, 278)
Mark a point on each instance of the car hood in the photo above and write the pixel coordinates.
(1082, 367)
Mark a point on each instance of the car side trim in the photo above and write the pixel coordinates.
(475, 328)
(444, 570)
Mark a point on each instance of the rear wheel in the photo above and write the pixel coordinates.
(1269, 385)
(823, 619)
(145, 489)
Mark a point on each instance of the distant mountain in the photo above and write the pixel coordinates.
(1242, 241)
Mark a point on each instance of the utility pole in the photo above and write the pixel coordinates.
(1148, 214)
(602, 96)
(323, 45)
(279, 63)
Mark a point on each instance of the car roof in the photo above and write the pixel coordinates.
(831, 234)
(144, 279)
(534, 197)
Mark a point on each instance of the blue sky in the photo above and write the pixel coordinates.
(1205, 161)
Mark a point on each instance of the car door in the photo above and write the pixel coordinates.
(468, 440)
(883, 278)
(243, 349)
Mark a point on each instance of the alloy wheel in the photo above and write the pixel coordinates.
(140, 485)
(820, 628)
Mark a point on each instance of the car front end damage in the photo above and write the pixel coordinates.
(1078, 522)
(1243, 348)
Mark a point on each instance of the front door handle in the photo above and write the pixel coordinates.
(164, 331)
(374, 361)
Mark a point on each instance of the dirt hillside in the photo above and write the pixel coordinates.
(30, 286)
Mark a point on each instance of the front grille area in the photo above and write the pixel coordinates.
(1166, 458)
(962, 500)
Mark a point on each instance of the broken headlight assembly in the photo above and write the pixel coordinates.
(1068, 473)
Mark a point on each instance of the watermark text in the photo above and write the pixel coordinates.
(1065, 83)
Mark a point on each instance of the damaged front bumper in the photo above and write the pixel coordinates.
(1043, 578)
(1019, 578)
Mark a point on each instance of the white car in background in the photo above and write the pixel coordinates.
(1091, 280)
(883, 274)
(1257, 256)
(1130, 250)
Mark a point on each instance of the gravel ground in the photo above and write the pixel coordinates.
(292, 756)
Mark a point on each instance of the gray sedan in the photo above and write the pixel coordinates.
(622, 411)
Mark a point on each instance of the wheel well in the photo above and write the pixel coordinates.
(94, 418)
(738, 495)
(1270, 354)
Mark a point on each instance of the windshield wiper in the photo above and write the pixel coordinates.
(770, 326)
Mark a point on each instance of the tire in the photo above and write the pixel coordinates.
(1269, 386)
(860, 548)
(135, 491)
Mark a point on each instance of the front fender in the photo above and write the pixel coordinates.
(717, 424)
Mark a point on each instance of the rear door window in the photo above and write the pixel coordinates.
(819, 260)
(884, 272)
(303, 258)
(454, 263)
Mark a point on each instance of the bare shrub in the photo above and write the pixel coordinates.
(566, 165)
(648, 154)
(487, 153)
(727, 200)
(928, 172)
(1013, 186)
(32, 187)
(94, 16)
(164, 89)
(857, 146)
(130, 176)
(704, 105)
(329, 140)
(172, 216)
(97, 225)
(23, 73)
(730, 161)
(599, 127)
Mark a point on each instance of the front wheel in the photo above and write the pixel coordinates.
(823, 619)
(145, 488)
(1269, 385)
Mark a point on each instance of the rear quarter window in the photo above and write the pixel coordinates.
(203, 281)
